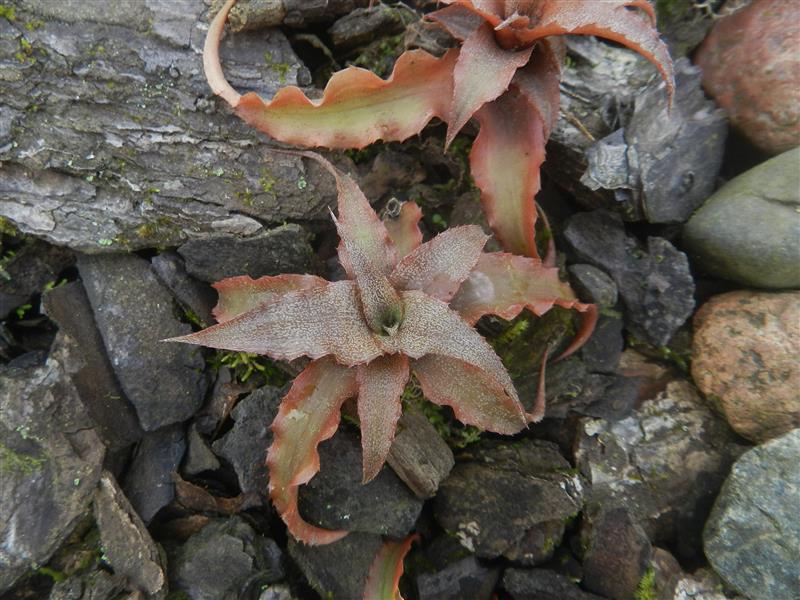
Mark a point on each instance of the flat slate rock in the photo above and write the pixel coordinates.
(223, 560)
(336, 499)
(127, 546)
(665, 463)
(542, 584)
(95, 380)
(752, 538)
(50, 460)
(148, 482)
(245, 445)
(654, 282)
(134, 313)
(143, 155)
(501, 498)
(285, 249)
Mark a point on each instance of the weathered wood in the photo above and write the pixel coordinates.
(419, 455)
(110, 138)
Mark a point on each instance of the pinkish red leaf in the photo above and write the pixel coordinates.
(503, 284)
(430, 327)
(539, 81)
(404, 229)
(314, 322)
(380, 385)
(610, 19)
(505, 161)
(357, 107)
(482, 73)
(492, 11)
(366, 252)
(438, 266)
(308, 415)
(476, 398)
(383, 580)
(459, 21)
(241, 294)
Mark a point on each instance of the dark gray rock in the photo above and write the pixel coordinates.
(337, 570)
(602, 351)
(134, 313)
(617, 553)
(245, 445)
(192, 295)
(93, 585)
(257, 14)
(465, 579)
(222, 559)
(664, 463)
(564, 384)
(654, 283)
(95, 381)
(609, 397)
(664, 163)
(35, 265)
(748, 231)
(284, 249)
(148, 482)
(363, 25)
(50, 460)
(542, 584)
(593, 285)
(503, 496)
(127, 545)
(141, 157)
(199, 456)
(419, 456)
(752, 538)
(336, 499)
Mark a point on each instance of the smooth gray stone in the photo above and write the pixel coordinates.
(749, 230)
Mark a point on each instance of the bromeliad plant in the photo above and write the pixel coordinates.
(506, 74)
(406, 307)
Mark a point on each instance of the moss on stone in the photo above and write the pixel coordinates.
(11, 461)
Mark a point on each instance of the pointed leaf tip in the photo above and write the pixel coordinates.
(380, 386)
(308, 415)
(211, 63)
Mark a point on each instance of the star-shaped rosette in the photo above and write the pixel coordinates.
(406, 307)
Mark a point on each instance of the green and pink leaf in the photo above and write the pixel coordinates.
(383, 580)
(308, 415)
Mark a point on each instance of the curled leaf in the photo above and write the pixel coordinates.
(380, 385)
(383, 580)
(308, 415)
(476, 399)
(357, 107)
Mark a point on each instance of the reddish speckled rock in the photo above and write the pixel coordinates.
(745, 359)
(751, 67)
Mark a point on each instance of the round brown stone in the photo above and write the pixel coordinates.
(746, 359)
(751, 67)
